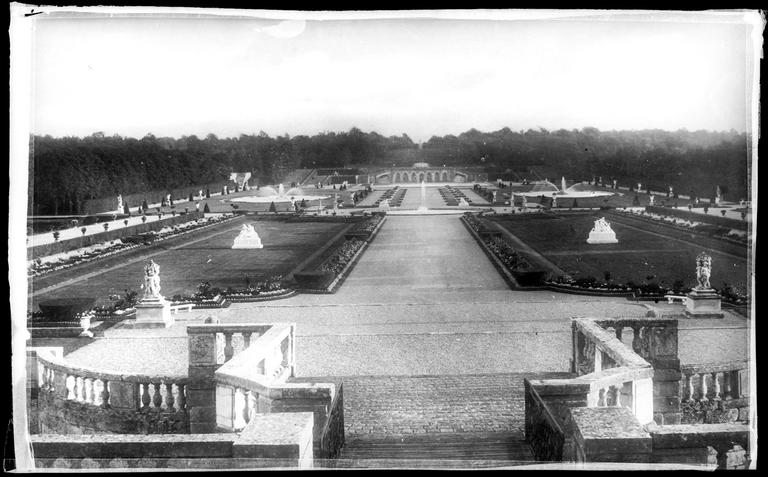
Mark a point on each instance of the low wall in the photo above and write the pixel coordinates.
(110, 235)
(107, 204)
(270, 440)
(723, 445)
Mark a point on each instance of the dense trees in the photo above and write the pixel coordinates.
(67, 171)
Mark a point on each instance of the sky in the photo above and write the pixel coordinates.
(422, 77)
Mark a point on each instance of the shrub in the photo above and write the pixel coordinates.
(83, 230)
(143, 219)
(722, 212)
(272, 207)
(144, 205)
(125, 222)
(106, 226)
(206, 209)
(207, 193)
(314, 280)
(56, 236)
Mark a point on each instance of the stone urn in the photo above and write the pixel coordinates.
(85, 324)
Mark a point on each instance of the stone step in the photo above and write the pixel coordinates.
(438, 450)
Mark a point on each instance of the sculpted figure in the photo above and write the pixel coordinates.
(152, 280)
(703, 271)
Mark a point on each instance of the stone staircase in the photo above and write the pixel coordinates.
(448, 422)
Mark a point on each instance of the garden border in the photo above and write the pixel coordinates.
(342, 276)
(505, 274)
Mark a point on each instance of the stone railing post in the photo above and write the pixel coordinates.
(662, 354)
(201, 389)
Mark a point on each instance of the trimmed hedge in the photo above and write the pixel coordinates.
(314, 280)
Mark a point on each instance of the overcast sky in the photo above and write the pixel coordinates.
(173, 77)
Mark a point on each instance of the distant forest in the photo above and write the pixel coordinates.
(67, 171)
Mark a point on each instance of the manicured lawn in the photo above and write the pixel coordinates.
(206, 257)
(640, 256)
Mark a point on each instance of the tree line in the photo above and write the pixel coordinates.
(65, 172)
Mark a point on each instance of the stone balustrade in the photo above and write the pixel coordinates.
(75, 399)
(715, 393)
(268, 350)
(254, 382)
(110, 389)
(721, 446)
(654, 339)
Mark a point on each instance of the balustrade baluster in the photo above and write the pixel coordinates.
(637, 342)
(79, 389)
(105, 393)
(181, 398)
(689, 388)
(703, 387)
(169, 396)
(145, 400)
(69, 387)
(157, 399)
(727, 381)
(246, 403)
(91, 388)
(229, 351)
(246, 339)
(715, 388)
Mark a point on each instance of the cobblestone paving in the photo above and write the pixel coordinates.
(381, 406)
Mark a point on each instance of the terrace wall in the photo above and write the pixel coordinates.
(110, 235)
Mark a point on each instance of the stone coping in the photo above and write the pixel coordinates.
(286, 428)
(130, 438)
(608, 343)
(698, 435)
(590, 382)
(261, 328)
(714, 367)
(607, 423)
(60, 364)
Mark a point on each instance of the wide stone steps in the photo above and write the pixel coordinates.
(438, 450)
(442, 421)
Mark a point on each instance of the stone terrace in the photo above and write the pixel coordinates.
(422, 302)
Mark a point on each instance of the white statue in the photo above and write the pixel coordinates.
(602, 232)
(554, 201)
(384, 204)
(652, 197)
(639, 186)
(703, 271)
(152, 280)
(248, 238)
(200, 194)
(120, 203)
(614, 183)
(525, 202)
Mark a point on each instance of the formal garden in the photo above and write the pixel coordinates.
(644, 262)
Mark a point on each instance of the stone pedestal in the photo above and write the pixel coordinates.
(248, 242)
(703, 304)
(602, 237)
(155, 311)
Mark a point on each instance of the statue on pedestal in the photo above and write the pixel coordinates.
(248, 238)
(602, 233)
(651, 200)
(703, 271)
(120, 203)
(152, 281)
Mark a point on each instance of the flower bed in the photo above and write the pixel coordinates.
(341, 256)
(330, 273)
(41, 266)
(710, 230)
(365, 229)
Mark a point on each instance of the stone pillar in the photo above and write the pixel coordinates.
(201, 388)
(662, 354)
